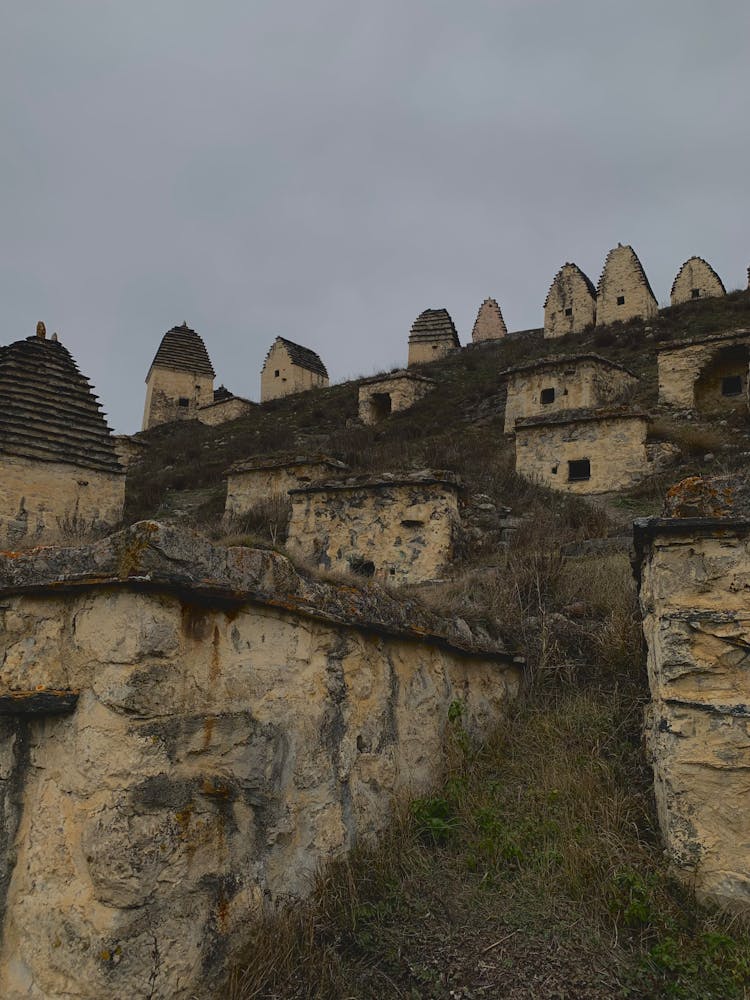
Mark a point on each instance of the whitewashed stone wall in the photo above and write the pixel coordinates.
(694, 579)
(615, 447)
(570, 305)
(172, 759)
(42, 502)
(582, 382)
(623, 292)
(398, 530)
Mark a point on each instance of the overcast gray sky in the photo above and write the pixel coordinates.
(324, 170)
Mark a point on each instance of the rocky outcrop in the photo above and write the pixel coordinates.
(187, 732)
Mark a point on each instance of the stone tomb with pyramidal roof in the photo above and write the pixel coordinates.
(433, 336)
(180, 380)
(290, 368)
(59, 471)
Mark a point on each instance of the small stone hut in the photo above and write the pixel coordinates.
(696, 279)
(558, 383)
(383, 395)
(489, 324)
(395, 528)
(225, 407)
(59, 471)
(708, 374)
(693, 574)
(270, 478)
(290, 368)
(624, 291)
(584, 451)
(570, 305)
(433, 336)
(180, 379)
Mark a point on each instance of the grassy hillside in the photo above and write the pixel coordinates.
(534, 869)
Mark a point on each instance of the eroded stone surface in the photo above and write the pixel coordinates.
(260, 479)
(694, 586)
(624, 292)
(380, 397)
(230, 734)
(706, 373)
(570, 305)
(696, 279)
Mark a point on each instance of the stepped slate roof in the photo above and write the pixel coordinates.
(301, 356)
(48, 410)
(183, 350)
(434, 324)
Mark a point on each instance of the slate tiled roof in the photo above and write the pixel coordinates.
(301, 356)
(434, 324)
(222, 394)
(48, 411)
(183, 350)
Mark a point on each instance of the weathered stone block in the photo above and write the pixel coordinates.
(386, 394)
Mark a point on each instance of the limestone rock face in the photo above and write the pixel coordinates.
(696, 279)
(214, 728)
(694, 579)
(624, 291)
(489, 324)
(570, 305)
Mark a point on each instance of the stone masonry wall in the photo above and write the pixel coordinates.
(42, 502)
(696, 275)
(248, 487)
(422, 351)
(577, 384)
(173, 758)
(694, 580)
(623, 278)
(225, 410)
(291, 378)
(165, 388)
(614, 446)
(403, 391)
(396, 531)
(690, 375)
(570, 306)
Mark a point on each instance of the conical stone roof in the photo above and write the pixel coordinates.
(489, 324)
(183, 350)
(48, 410)
(434, 324)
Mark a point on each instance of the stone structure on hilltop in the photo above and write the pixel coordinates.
(624, 291)
(395, 528)
(225, 406)
(558, 383)
(696, 279)
(180, 753)
(270, 477)
(489, 324)
(383, 395)
(290, 368)
(433, 336)
(180, 379)
(708, 374)
(59, 471)
(584, 451)
(693, 572)
(570, 306)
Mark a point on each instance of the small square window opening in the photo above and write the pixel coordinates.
(731, 385)
(579, 470)
(695, 293)
(621, 300)
(569, 311)
(547, 396)
(276, 373)
(183, 401)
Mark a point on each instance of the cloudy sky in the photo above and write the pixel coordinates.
(324, 170)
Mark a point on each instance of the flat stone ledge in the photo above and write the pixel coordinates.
(384, 481)
(38, 702)
(154, 556)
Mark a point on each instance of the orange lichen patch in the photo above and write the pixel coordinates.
(135, 544)
(215, 668)
(208, 731)
(697, 496)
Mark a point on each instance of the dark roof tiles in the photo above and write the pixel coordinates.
(434, 324)
(183, 350)
(48, 410)
(301, 356)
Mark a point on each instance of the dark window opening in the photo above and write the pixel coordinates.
(731, 385)
(579, 470)
(412, 524)
(554, 470)
(380, 405)
(621, 300)
(569, 312)
(547, 396)
(434, 347)
(695, 293)
(183, 401)
(360, 566)
(276, 373)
